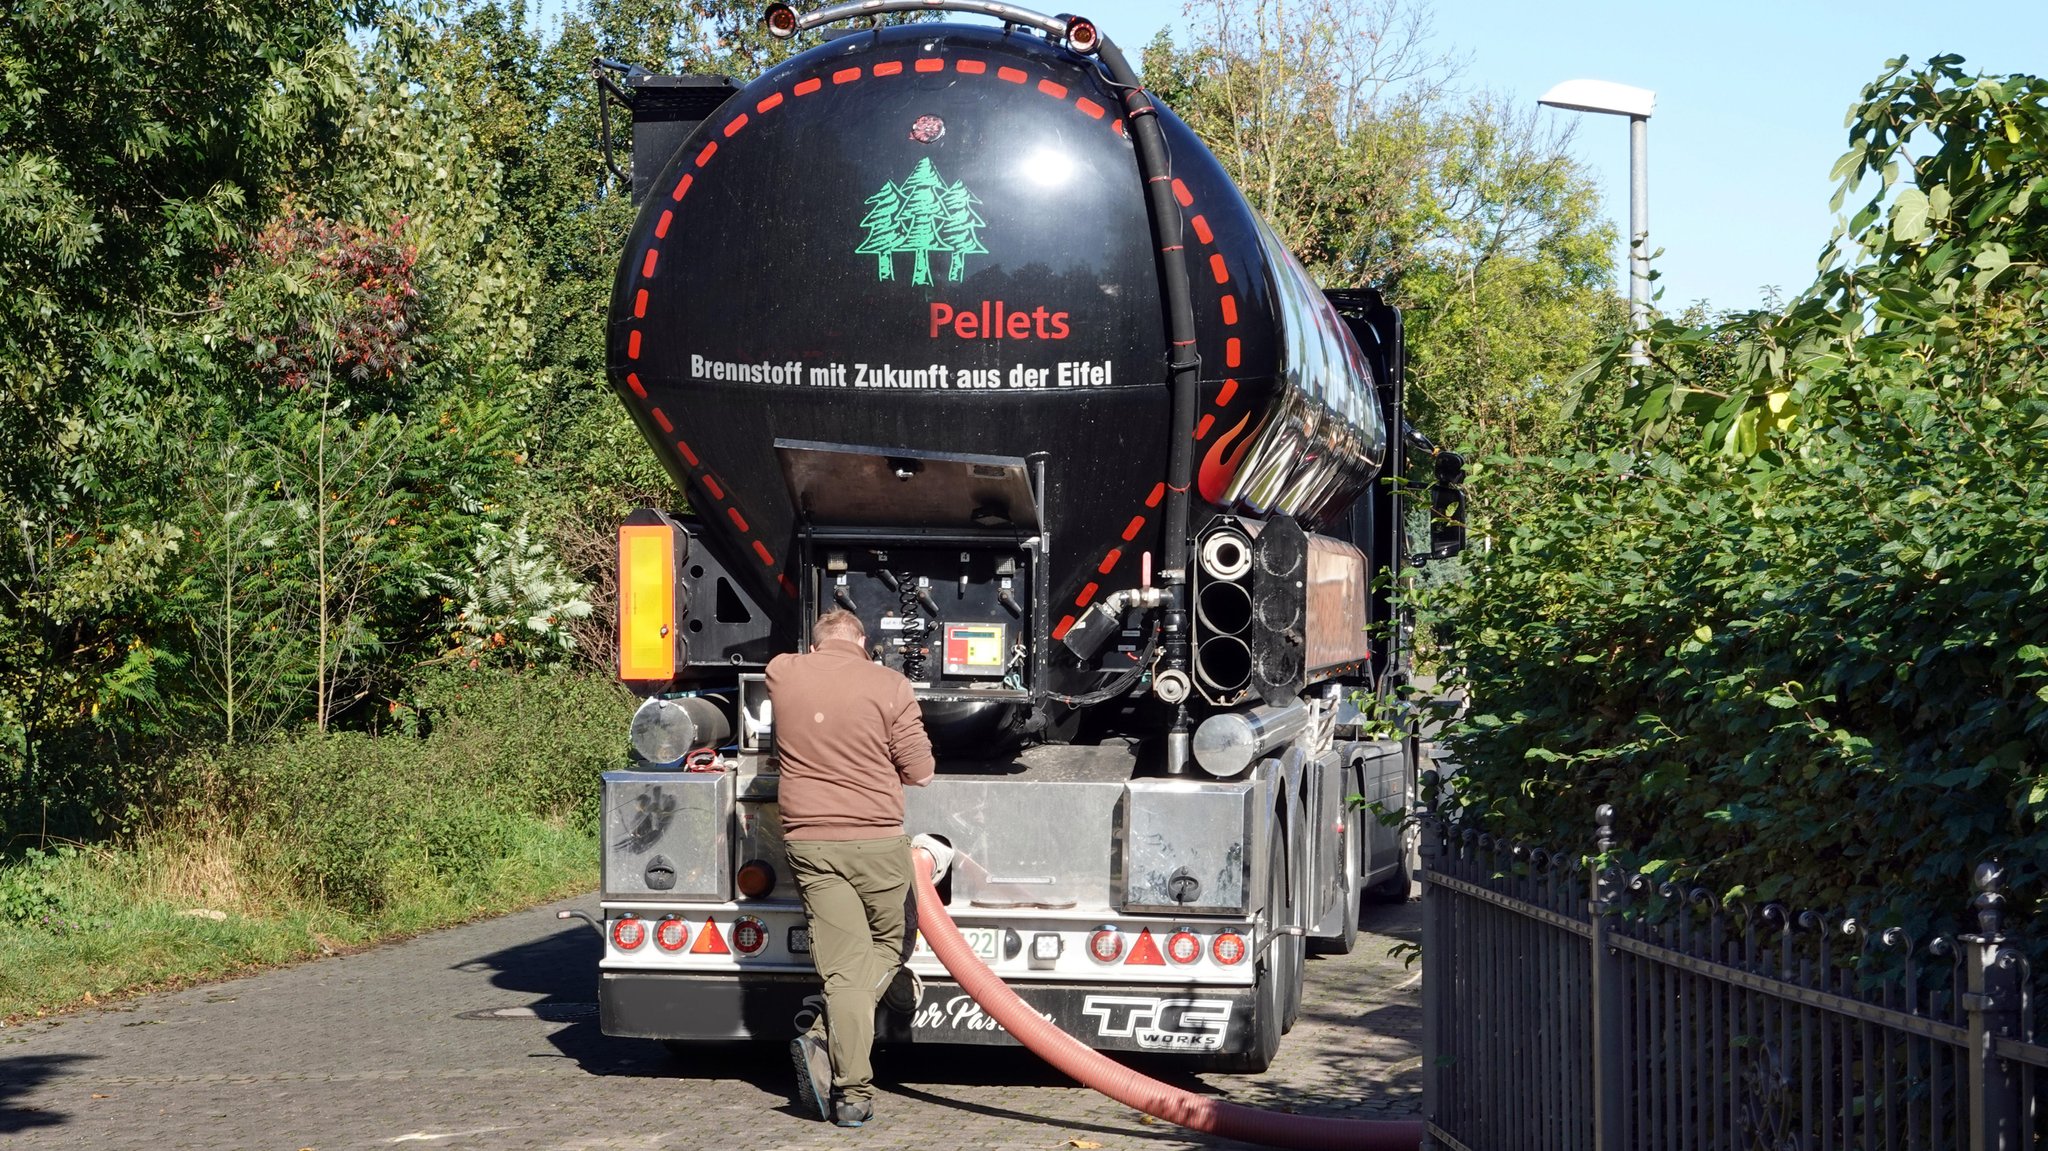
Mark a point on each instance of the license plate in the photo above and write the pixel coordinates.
(984, 941)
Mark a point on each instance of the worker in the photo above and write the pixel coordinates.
(850, 737)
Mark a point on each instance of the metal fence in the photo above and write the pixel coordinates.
(1564, 1009)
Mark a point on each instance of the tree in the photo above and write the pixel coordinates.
(1342, 127)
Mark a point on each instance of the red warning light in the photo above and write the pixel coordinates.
(1228, 948)
(749, 935)
(1082, 36)
(1183, 947)
(1106, 944)
(709, 941)
(628, 933)
(781, 21)
(1146, 951)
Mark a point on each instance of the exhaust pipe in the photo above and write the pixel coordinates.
(1098, 1072)
(1227, 744)
(1224, 608)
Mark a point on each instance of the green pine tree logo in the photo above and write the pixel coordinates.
(921, 216)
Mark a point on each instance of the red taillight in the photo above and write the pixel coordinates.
(709, 941)
(749, 935)
(1183, 947)
(756, 879)
(1106, 944)
(671, 934)
(781, 21)
(1082, 36)
(628, 933)
(1228, 948)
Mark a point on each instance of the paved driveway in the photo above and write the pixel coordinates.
(486, 1037)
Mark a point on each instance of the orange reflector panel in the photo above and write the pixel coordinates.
(709, 941)
(647, 602)
(1146, 950)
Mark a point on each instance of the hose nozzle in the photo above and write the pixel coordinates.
(942, 855)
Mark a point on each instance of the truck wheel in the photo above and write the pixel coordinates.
(1348, 893)
(1290, 953)
(1396, 887)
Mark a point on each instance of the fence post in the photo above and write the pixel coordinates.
(1431, 848)
(1610, 997)
(1992, 999)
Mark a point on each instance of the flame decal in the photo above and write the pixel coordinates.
(1217, 470)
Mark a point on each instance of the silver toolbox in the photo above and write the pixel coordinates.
(667, 835)
(1187, 845)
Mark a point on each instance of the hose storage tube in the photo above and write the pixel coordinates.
(1098, 1072)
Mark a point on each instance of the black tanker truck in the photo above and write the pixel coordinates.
(954, 327)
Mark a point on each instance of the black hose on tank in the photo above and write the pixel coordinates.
(1183, 364)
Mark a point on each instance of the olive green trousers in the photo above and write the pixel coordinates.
(854, 892)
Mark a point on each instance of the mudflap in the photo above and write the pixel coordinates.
(709, 1008)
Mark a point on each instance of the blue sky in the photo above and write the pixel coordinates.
(1750, 99)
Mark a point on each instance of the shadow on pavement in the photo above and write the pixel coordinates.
(23, 1074)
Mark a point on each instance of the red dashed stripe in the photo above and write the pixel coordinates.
(709, 151)
(633, 382)
(1087, 594)
(846, 75)
(774, 101)
(809, 86)
(971, 67)
(934, 64)
(1229, 308)
(1056, 91)
(1224, 393)
(1060, 632)
(640, 304)
(1218, 269)
(1202, 429)
(738, 122)
(633, 344)
(682, 186)
(1202, 232)
(1158, 493)
(1094, 110)
(739, 521)
(711, 485)
(647, 265)
(761, 549)
(661, 225)
(1181, 193)
(661, 417)
(689, 456)
(1132, 529)
(1109, 561)
(889, 68)
(1233, 351)
(1011, 74)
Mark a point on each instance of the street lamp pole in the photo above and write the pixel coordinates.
(1636, 103)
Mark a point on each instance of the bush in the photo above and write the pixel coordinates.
(1805, 654)
(360, 820)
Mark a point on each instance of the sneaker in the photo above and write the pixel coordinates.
(852, 1112)
(813, 1074)
(904, 993)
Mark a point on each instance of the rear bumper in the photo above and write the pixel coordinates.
(666, 1005)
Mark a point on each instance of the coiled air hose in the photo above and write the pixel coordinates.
(1098, 1072)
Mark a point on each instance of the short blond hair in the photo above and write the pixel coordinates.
(839, 624)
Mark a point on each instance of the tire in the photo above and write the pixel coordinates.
(1397, 887)
(1347, 935)
(1291, 950)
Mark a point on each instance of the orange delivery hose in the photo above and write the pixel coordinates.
(1096, 1071)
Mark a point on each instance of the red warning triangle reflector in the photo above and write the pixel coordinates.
(1146, 951)
(709, 941)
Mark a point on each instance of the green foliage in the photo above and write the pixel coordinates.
(1799, 637)
(1343, 130)
(33, 895)
(361, 822)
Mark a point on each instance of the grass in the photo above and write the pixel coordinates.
(312, 844)
(123, 924)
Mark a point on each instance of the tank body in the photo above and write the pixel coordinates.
(935, 238)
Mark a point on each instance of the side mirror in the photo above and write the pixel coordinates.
(1447, 507)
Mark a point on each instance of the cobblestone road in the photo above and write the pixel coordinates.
(486, 1037)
